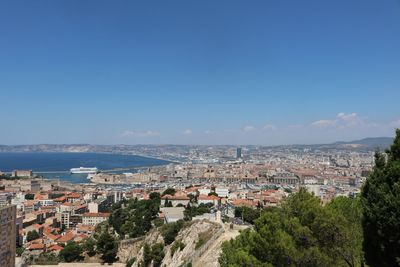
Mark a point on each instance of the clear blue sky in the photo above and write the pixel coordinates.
(198, 72)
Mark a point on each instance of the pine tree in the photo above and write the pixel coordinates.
(381, 209)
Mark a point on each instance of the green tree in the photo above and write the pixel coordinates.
(213, 194)
(19, 251)
(170, 231)
(167, 203)
(169, 191)
(154, 254)
(107, 247)
(300, 233)
(247, 214)
(89, 246)
(46, 258)
(29, 196)
(71, 252)
(192, 211)
(146, 255)
(351, 210)
(157, 254)
(158, 222)
(381, 209)
(134, 217)
(155, 196)
(118, 217)
(178, 244)
(32, 235)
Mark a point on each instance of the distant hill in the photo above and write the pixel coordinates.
(382, 142)
(363, 145)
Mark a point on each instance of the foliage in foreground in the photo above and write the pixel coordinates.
(301, 233)
(46, 258)
(170, 231)
(247, 214)
(107, 246)
(71, 252)
(381, 209)
(134, 217)
(154, 254)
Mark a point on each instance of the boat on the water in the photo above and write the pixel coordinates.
(84, 170)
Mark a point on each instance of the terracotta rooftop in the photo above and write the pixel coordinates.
(73, 195)
(67, 237)
(55, 247)
(205, 197)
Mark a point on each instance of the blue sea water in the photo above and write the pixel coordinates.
(57, 165)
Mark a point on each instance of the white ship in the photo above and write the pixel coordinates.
(84, 170)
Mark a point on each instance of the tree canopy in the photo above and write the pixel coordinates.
(154, 254)
(32, 235)
(71, 252)
(107, 247)
(300, 233)
(381, 209)
(169, 191)
(134, 218)
(170, 231)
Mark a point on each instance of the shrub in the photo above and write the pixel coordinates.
(170, 231)
(177, 245)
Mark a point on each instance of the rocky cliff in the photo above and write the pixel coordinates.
(196, 236)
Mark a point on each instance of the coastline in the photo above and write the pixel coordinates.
(57, 165)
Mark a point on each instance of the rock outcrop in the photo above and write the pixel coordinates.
(189, 235)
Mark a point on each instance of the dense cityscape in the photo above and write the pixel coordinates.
(213, 133)
(219, 186)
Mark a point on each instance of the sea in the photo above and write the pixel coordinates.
(57, 165)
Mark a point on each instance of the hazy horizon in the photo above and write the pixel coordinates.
(171, 144)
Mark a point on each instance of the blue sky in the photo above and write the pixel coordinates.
(198, 72)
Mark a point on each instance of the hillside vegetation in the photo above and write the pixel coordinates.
(359, 231)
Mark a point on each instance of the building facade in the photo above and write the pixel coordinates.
(7, 236)
(94, 219)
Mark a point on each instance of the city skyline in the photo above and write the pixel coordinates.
(269, 73)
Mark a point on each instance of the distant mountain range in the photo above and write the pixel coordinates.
(371, 141)
(366, 144)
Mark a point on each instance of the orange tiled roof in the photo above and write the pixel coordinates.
(39, 197)
(60, 199)
(80, 206)
(243, 202)
(192, 189)
(73, 195)
(67, 237)
(204, 197)
(55, 247)
(53, 237)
